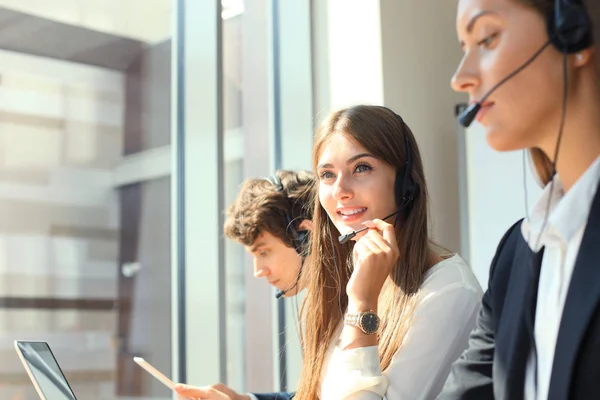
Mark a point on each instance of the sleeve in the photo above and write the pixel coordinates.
(439, 333)
(471, 375)
(271, 396)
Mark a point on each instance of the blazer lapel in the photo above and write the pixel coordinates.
(580, 305)
(516, 329)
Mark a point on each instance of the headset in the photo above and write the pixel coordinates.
(569, 30)
(405, 189)
(299, 238)
(569, 26)
(404, 186)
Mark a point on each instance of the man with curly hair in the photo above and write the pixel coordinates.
(271, 217)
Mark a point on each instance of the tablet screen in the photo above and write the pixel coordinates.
(46, 371)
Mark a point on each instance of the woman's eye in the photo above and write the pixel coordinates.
(488, 41)
(362, 168)
(326, 175)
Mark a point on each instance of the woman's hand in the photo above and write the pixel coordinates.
(214, 392)
(374, 256)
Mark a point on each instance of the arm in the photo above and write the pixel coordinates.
(439, 332)
(223, 392)
(271, 396)
(471, 375)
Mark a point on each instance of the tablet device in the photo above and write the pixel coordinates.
(43, 370)
(154, 372)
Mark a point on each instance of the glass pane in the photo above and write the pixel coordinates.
(84, 246)
(233, 170)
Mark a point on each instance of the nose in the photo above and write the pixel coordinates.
(465, 78)
(260, 270)
(342, 188)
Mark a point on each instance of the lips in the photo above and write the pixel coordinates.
(483, 109)
(349, 214)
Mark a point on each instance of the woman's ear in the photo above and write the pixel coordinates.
(305, 225)
(584, 57)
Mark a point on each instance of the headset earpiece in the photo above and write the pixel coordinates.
(404, 187)
(301, 242)
(569, 26)
(299, 238)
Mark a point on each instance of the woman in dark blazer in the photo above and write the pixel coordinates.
(538, 332)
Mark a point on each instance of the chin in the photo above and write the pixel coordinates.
(501, 140)
(346, 228)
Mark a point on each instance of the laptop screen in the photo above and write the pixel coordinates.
(46, 371)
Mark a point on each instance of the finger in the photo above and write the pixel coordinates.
(367, 246)
(378, 240)
(376, 225)
(360, 251)
(191, 391)
(387, 230)
(225, 390)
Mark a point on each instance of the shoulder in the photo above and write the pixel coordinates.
(449, 287)
(503, 259)
(449, 297)
(450, 274)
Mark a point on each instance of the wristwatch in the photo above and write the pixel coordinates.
(367, 321)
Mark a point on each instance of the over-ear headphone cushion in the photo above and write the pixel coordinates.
(399, 187)
(301, 242)
(571, 31)
(403, 188)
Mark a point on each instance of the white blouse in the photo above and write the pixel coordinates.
(445, 314)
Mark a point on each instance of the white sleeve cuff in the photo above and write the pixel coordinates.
(252, 396)
(354, 370)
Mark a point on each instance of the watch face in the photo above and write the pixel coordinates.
(369, 322)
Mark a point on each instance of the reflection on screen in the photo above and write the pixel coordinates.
(46, 371)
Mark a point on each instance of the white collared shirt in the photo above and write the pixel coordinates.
(561, 238)
(449, 302)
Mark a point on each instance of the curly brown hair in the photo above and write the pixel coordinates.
(260, 207)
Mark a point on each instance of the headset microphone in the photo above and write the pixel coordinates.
(467, 116)
(280, 293)
(345, 238)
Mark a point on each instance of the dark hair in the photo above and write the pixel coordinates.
(260, 207)
(543, 165)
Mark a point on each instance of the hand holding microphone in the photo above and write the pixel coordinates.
(374, 256)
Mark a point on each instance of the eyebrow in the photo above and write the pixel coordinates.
(257, 246)
(475, 18)
(349, 161)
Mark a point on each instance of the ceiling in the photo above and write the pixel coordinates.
(148, 21)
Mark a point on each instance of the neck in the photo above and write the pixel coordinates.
(580, 143)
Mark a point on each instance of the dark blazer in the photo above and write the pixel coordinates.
(493, 367)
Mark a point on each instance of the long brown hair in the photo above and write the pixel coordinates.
(381, 133)
(543, 165)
